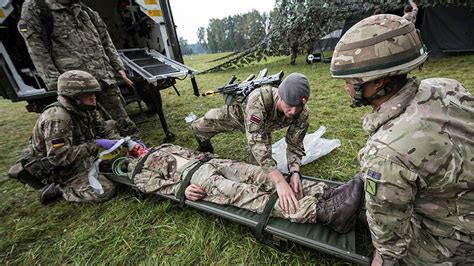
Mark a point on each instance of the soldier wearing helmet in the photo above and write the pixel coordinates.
(418, 163)
(64, 35)
(63, 141)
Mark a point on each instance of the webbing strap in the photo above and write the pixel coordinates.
(140, 164)
(265, 216)
(186, 181)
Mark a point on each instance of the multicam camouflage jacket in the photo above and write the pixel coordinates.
(419, 168)
(79, 41)
(160, 172)
(65, 135)
(261, 117)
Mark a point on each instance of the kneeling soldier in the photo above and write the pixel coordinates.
(63, 145)
(264, 110)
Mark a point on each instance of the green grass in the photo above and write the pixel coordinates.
(131, 230)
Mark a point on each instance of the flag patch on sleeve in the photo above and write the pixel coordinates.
(255, 119)
(373, 174)
(57, 143)
(23, 27)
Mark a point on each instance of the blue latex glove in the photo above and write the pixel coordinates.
(105, 143)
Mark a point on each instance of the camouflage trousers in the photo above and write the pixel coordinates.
(111, 99)
(220, 120)
(216, 121)
(293, 51)
(308, 47)
(78, 189)
(246, 186)
(427, 248)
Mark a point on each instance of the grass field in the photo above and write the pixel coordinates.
(131, 230)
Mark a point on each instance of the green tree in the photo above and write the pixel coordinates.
(185, 47)
(201, 34)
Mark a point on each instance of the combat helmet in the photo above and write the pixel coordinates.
(76, 82)
(376, 47)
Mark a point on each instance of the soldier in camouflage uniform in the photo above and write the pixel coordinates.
(243, 185)
(65, 135)
(308, 42)
(68, 35)
(293, 43)
(264, 110)
(418, 163)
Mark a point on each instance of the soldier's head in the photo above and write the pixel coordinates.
(294, 93)
(80, 87)
(374, 57)
(407, 9)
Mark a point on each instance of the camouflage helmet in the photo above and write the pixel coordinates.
(376, 47)
(76, 82)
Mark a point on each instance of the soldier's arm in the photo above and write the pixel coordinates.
(31, 30)
(260, 143)
(105, 128)
(107, 43)
(58, 135)
(294, 138)
(258, 140)
(390, 191)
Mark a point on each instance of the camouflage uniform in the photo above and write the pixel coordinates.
(65, 134)
(257, 117)
(293, 43)
(419, 170)
(79, 41)
(418, 161)
(411, 16)
(226, 182)
(308, 41)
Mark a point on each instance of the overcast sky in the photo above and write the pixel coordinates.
(189, 15)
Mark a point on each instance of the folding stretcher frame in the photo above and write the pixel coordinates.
(316, 236)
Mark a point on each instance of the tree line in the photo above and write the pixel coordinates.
(232, 33)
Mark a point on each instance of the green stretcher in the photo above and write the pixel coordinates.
(316, 236)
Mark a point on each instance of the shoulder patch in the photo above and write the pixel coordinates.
(23, 27)
(373, 174)
(57, 143)
(370, 186)
(255, 119)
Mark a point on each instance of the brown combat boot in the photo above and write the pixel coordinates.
(330, 191)
(340, 210)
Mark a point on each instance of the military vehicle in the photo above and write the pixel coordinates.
(143, 32)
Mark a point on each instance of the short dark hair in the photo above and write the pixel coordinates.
(408, 8)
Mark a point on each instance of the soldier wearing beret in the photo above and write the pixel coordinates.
(266, 109)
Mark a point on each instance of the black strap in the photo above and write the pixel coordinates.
(265, 216)
(140, 164)
(186, 181)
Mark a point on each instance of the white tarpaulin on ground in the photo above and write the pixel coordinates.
(315, 147)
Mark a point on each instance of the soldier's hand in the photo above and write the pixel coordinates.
(288, 201)
(124, 77)
(195, 192)
(296, 185)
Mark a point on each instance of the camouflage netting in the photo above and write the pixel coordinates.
(319, 17)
